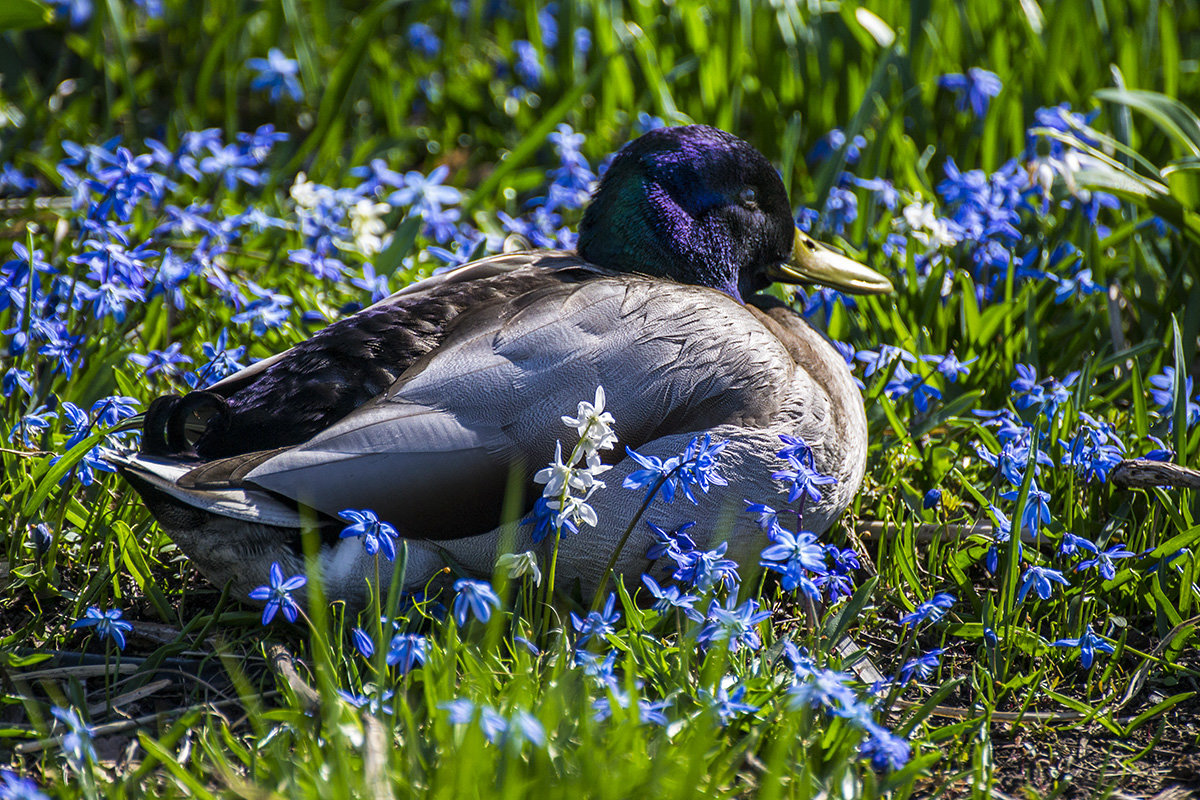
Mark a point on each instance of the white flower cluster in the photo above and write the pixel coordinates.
(927, 228)
(564, 479)
(368, 227)
(321, 207)
(519, 564)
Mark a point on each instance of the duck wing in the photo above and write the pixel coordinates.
(484, 268)
(435, 452)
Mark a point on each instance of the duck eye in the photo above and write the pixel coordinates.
(748, 196)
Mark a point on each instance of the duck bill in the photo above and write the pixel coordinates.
(812, 262)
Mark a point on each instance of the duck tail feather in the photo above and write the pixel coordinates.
(224, 473)
(157, 480)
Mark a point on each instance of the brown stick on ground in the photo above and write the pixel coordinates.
(282, 662)
(1142, 473)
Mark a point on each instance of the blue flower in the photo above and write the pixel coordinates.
(975, 89)
(841, 209)
(527, 65)
(407, 650)
(17, 379)
(1088, 644)
(932, 498)
(646, 122)
(931, 610)
(363, 642)
(1047, 396)
(1093, 453)
(14, 787)
(844, 561)
(796, 449)
(822, 688)
(1041, 580)
(696, 466)
(804, 480)
(1080, 283)
(76, 423)
(270, 310)
(525, 727)
(704, 569)
(1001, 533)
(1071, 544)
(422, 39)
(278, 594)
(378, 285)
(727, 705)
(278, 74)
(833, 585)
(259, 145)
(1163, 393)
(922, 666)
(735, 625)
(1104, 561)
(885, 191)
(77, 13)
(1037, 507)
(375, 703)
(542, 518)
(425, 193)
(164, 361)
(107, 623)
(885, 750)
(108, 411)
(793, 555)
(833, 142)
(518, 728)
(950, 366)
(77, 741)
(597, 623)
(222, 359)
(768, 518)
(376, 534)
(677, 541)
(671, 597)
(602, 669)
(13, 182)
(650, 712)
(879, 360)
(904, 383)
(41, 538)
(474, 597)
(32, 424)
(324, 267)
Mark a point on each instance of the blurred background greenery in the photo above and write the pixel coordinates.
(779, 74)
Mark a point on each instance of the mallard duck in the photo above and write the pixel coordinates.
(422, 406)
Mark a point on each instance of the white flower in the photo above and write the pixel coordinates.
(519, 564)
(304, 192)
(368, 227)
(574, 509)
(1043, 170)
(558, 476)
(927, 227)
(594, 425)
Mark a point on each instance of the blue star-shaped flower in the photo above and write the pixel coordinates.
(278, 594)
(107, 623)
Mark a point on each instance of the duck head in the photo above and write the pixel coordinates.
(698, 205)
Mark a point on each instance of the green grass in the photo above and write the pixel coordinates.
(227, 723)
